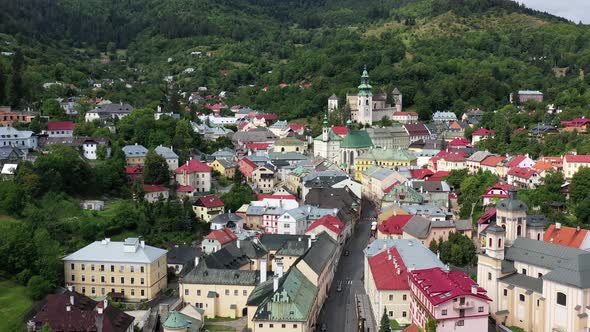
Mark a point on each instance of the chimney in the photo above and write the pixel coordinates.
(70, 288)
(196, 261)
(335, 212)
(262, 270)
(557, 225)
(72, 299)
(299, 239)
(142, 243)
(398, 271)
(473, 289)
(275, 283)
(238, 243)
(135, 143)
(309, 242)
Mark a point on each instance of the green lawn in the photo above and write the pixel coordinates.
(14, 302)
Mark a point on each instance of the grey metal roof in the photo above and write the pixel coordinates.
(424, 209)
(11, 132)
(255, 210)
(382, 173)
(413, 252)
(511, 203)
(286, 156)
(418, 227)
(320, 253)
(277, 241)
(568, 265)
(463, 224)
(478, 156)
(166, 152)
(7, 151)
(182, 254)
(524, 281)
(205, 275)
(431, 186)
(113, 108)
(508, 267)
(109, 251)
(135, 150)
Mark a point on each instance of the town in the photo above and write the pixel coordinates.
(379, 220)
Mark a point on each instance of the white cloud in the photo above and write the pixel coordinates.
(574, 10)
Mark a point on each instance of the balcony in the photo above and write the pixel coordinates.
(462, 305)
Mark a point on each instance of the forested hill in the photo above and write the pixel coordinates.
(442, 54)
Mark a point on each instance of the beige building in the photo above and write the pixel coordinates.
(264, 179)
(131, 270)
(377, 180)
(573, 163)
(290, 144)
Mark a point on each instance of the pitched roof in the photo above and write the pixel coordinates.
(223, 236)
(63, 125)
(320, 253)
(484, 132)
(137, 169)
(523, 173)
(417, 129)
(459, 141)
(492, 161)
(581, 158)
(130, 251)
(440, 286)
(384, 268)
(421, 173)
(330, 222)
(340, 130)
(193, 166)
(565, 236)
(261, 197)
(355, 139)
(394, 224)
(541, 166)
(202, 274)
(82, 316)
(259, 146)
(524, 281)
(166, 152)
(209, 201)
(150, 188)
(135, 150)
(516, 160)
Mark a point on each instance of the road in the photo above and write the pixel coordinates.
(339, 311)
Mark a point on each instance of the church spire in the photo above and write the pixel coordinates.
(365, 87)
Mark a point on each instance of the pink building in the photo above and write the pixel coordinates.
(451, 298)
(496, 193)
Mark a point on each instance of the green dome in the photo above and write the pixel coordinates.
(175, 321)
(356, 139)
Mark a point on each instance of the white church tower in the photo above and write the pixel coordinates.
(332, 103)
(365, 100)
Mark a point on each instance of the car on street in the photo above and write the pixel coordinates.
(339, 287)
(346, 252)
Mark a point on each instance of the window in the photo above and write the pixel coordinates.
(132, 292)
(390, 297)
(198, 292)
(92, 278)
(499, 243)
(405, 297)
(505, 292)
(294, 326)
(83, 290)
(283, 325)
(72, 266)
(132, 268)
(82, 267)
(142, 281)
(102, 291)
(235, 292)
(91, 267)
(83, 278)
(444, 312)
(101, 278)
(122, 280)
(404, 314)
(112, 280)
(186, 292)
(245, 292)
(461, 323)
(227, 292)
(524, 272)
(480, 309)
(539, 237)
(141, 269)
(390, 314)
(102, 268)
(489, 276)
(73, 277)
(561, 298)
(142, 292)
(92, 290)
(538, 303)
(112, 268)
(259, 325)
(132, 281)
(521, 297)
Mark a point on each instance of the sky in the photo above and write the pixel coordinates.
(574, 10)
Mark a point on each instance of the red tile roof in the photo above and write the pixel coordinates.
(523, 173)
(500, 186)
(209, 201)
(247, 162)
(405, 113)
(296, 126)
(459, 142)
(150, 188)
(438, 176)
(385, 273)
(412, 328)
(447, 152)
(83, 315)
(489, 214)
(519, 130)
(193, 166)
(185, 189)
(259, 146)
(440, 286)
(421, 173)
(261, 197)
(223, 236)
(330, 222)
(215, 107)
(542, 166)
(394, 224)
(417, 129)
(137, 169)
(492, 161)
(266, 117)
(340, 130)
(388, 189)
(484, 132)
(453, 157)
(64, 125)
(579, 122)
(581, 158)
(565, 236)
(515, 161)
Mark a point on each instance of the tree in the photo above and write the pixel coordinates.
(431, 325)
(38, 287)
(385, 325)
(458, 250)
(580, 184)
(52, 108)
(3, 98)
(433, 246)
(155, 170)
(17, 89)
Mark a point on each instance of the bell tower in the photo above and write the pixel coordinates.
(325, 129)
(365, 100)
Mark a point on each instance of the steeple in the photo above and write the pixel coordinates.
(325, 129)
(365, 100)
(365, 87)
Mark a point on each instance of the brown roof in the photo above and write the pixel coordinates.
(492, 161)
(82, 315)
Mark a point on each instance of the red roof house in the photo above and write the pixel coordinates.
(385, 273)
(340, 130)
(497, 191)
(484, 132)
(393, 227)
(329, 224)
(222, 236)
(193, 166)
(421, 174)
(521, 160)
(433, 283)
(459, 143)
(209, 201)
(567, 236)
(261, 197)
(246, 167)
(63, 125)
(151, 188)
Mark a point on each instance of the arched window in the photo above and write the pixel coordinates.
(561, 298)
(367, 102)
(499, 243)
(518, 230)
(539, 237)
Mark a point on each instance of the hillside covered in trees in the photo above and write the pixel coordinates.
(442, 54)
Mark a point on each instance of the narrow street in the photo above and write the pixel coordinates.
(339, 311)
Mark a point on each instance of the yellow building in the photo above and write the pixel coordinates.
(135, 154)
(225, 167)
(384, 158)
(290, 144)
(130, 269)
(208, 207)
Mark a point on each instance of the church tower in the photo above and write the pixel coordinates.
(332, 103)
(511, 214)
(325, 129)
(397, 100)
(365, 100)
(489, 263)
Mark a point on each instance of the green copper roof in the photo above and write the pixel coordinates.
(356, 139)
(403, 195)
(388, 155)
(365, 87)
(325, 120)
(291, 302)
(175, 321)
(332, 136)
